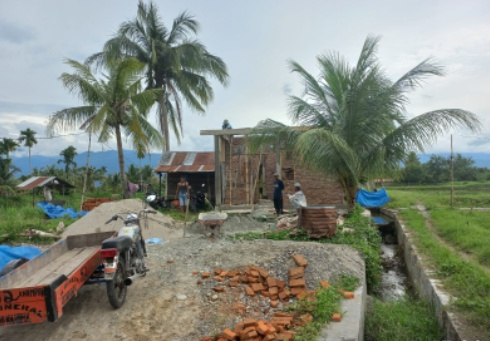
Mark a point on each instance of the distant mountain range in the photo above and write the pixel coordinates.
(109, 159)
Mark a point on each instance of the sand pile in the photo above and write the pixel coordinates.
(159, 225)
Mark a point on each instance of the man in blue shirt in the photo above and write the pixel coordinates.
(278, 188)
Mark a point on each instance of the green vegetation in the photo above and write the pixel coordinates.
(469, 283)
(176, 63)
(28, 136)
(437, 170)
(401, 320)
(364, 238)
(347, 282)
(325, 303)
(466, 231)
(17, 215)
(114, 104)
(344, 136)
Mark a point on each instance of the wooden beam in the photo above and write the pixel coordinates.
(221, 132)
(247, 178)
(217, 173)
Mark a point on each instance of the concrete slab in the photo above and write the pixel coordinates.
(351, 328)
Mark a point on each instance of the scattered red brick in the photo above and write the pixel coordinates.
(199, 282)
(229, 335)
(324, 284)
(298, 282)
(218, 278)
(348, 295)
(337, 317)
(219, 289)
(300, 260)
(205, 275)
(249, 291)
(274, 304)
(296, 272)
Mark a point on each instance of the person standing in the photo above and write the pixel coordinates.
(226, 125)
(278, 188)
(183, 193)
(298, 199)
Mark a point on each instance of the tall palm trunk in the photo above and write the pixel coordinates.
(30, 162)
(164, 121)
(121, 161)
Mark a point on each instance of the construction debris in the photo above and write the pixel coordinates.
(256, 281)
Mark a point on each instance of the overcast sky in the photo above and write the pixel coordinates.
(255, 39)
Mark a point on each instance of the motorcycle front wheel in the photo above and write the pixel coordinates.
(116, 289)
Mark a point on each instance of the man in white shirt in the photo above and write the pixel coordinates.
(298, 199)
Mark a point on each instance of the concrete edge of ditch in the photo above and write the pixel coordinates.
(425, 286)
(351, 327)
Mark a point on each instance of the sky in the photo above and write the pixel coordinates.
(256, 39)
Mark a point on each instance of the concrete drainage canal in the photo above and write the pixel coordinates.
(396, 312)
(394, 281)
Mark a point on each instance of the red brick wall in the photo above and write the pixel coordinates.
(318, 188)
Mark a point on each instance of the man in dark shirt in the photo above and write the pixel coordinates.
(278, 188)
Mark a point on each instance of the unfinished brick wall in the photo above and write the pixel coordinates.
(318, 188)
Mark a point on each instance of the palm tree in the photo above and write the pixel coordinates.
(7, 146)
(115, 104)
(133, 173)
(175, 62)
(7, 171)
(68, 155)
(28, 136)
(354, 121)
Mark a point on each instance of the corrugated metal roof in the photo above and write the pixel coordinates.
(40, 181)
(186, 162)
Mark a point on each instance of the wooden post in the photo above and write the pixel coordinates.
(247, 179)
(86, 169)
(231, 154)
(278, 162)
(217, 173)
(256, 182)
(452, 172)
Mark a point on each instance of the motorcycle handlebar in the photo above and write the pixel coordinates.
(112, 218)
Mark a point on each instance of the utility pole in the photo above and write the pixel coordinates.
(86, 169)
(452, 172)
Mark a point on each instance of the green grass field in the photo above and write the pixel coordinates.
(466, 232)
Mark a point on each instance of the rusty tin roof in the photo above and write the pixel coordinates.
(186, 162)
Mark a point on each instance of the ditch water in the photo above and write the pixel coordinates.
(394, 281)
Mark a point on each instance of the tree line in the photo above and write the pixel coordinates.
(438, 170)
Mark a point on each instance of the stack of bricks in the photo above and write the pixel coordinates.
(297, 282)
(319, 221)
(278, 329)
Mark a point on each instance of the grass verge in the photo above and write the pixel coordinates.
(404, 319)
(466, 281)
(322, 306)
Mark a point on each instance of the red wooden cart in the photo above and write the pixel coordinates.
(38, 290)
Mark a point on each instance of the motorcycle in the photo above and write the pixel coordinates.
(123, 257)
(155, 202)
(198, 200)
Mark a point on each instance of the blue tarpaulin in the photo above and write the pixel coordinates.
(8, 253)
(372, 199)
(54, 211)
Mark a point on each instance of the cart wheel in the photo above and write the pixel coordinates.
(116, 289)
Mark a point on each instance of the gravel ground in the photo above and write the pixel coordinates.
(168, 304)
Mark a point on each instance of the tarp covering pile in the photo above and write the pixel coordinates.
(55, 211)
(372, 199)
(8, 253)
